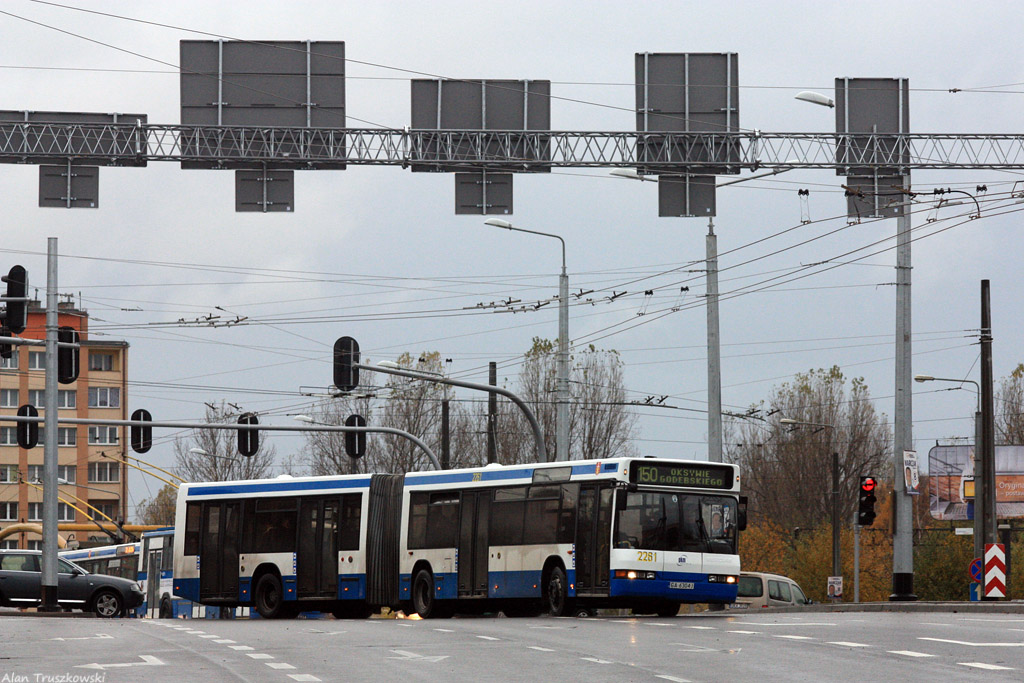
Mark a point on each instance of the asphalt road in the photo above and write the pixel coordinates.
(855, 646)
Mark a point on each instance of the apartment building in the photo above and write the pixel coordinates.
(85, 473)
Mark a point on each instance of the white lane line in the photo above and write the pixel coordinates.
(964, 642)
(279, 665)
(796, 637)
(259, 655)
(209, 636)
(487, 638)
(240, 647)
(444, 630)
(700, 628)
(909, 653)
(845, 643)
(622, 621)
(540, 649)
(746, 632)
(674, 679)
(788, 624)
(222, 641)
(595, 660)
(980, 619)
(194, 633)
(989, 667)
(303, 677)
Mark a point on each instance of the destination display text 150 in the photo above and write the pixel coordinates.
(667, 474)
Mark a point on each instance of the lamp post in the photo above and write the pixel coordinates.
(980, 500)
(836, 567)
(562, 400)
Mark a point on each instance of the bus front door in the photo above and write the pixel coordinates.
(154, 561)
(593, 539)
(473, 543)
(317, 560)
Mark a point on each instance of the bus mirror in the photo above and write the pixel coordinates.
(741, 515)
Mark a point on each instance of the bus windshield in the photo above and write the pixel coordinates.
(676, 521)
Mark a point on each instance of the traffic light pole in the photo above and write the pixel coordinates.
(48, 592)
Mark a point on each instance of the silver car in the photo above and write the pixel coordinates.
(21, 584)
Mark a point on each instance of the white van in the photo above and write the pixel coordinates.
(757, 589)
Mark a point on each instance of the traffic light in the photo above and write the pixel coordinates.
(355, 442)
(248, 439)
(28, 432)
(17, 288)
(866, 501)
(67, 357)
(142, 437)
(346, 355)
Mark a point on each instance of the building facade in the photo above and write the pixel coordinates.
(90, 458)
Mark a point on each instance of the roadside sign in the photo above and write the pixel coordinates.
(835, 588)
(995, 571)
(975, 570)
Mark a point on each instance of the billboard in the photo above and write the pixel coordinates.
(951, 482)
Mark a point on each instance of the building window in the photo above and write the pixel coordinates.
(67, 473)
(35, 545)
(65, 513)
(9, 398)
(9, 511)
(67, 398)
(103, 436)
(104, 472)
(10, 363)
(67, 436)
(8, 544)
(101, 361)
(37, 398)
(104, 397)
(36, 360)
(8, 436)
(107, 507)
(35, 473)
(35, 512)
(8, 474)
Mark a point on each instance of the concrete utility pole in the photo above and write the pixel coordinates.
(714, 349)
(988, 451)
(492, 414)
(48, 584)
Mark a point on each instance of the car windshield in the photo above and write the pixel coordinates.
(66, 567)
(675, 521)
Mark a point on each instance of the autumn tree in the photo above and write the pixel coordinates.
(1009, 412)
(787, 469)
(160, 508)
(219, 459)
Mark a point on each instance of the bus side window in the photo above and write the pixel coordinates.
(418, 520)
(348, 533)
(567, 517)
(192, 516)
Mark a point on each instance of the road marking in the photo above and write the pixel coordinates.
(785, 625)
(659, 623)
(847, 644)
(444, 630)
(796, 637)
(147, 660)
(700, 628)
(98, 636)
(303, 677)
(223, 640)
(909, 653)
(279, 665)
(595, 660)
(209, 636)
(673, 678)
(540, 649)
(622, 621)
(259, 655)
(194, 633)
(964, 642)
(240, 647)
(990, 667)
(981, 619)
(746, 632)
(487, 638)
(412, 656)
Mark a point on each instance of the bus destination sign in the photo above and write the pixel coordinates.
(688, 475)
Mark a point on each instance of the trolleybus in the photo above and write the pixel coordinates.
(640, 533)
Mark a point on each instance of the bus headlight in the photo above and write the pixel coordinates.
(634, 574)
(721, 578)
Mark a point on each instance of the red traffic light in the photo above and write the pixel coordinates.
(867, 484)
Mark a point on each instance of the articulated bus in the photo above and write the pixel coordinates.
(640, 533)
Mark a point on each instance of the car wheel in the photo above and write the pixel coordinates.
(108, 603)
(556, 592)
(269, 597)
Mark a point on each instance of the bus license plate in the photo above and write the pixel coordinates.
(681, 585)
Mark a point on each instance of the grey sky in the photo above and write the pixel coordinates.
(386, 241)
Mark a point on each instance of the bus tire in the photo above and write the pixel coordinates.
(423, 599)
(556, 593)
(668, 609)
(269, 597)
(166, 610)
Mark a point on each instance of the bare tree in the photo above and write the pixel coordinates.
(325, 451)
(160, 508)
(1009, 411)
(220, 460)
(787, 470)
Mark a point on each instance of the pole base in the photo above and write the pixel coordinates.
(903, 588)
(48, 599)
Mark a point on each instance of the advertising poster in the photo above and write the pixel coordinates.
(910, 475)
(951, 482)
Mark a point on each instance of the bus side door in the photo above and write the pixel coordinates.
(218, 550)
(593, 539)
(473, 543)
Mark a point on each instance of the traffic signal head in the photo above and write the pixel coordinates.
(67, 357)
(866, 501)
(17, 288)
(346, 355)
(142, 437)
(28, 432)
(355, 442)
(248, 439)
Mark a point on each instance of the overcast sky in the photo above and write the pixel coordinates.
(383, 241)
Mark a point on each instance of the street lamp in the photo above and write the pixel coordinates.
(562, 400)
(836, 568)
(815, 98)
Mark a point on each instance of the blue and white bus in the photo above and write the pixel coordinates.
(640, 533)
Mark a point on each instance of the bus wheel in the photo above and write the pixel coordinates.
(269, 597)
(668, 609)
(556, 592)
(423, 599)
(166, 611)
